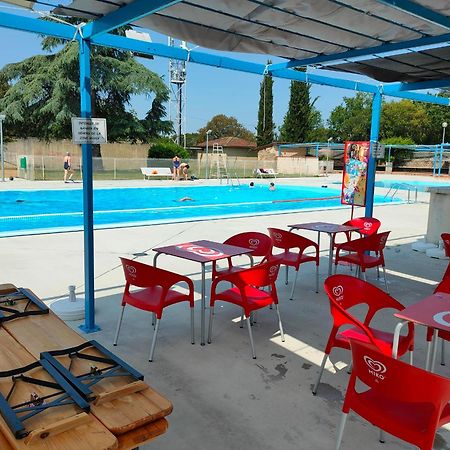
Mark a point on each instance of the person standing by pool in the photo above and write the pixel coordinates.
(68, 168)
(184, 170)
(176, 162)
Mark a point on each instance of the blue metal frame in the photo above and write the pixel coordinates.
(7, 302)
(124, 15)
(371, 169)
(88, 192)
(365, 54)
(432, 84)
(419, 11)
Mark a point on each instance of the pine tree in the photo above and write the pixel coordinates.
(265, 127)
(297, 123)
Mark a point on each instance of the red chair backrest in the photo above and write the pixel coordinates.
(142, 275)
(397, 380)
(443, 286)
(345, 292)
(373, 243)
(446, 239)
(286, 240)
(259, 243)
(369, 225)
(260, 275)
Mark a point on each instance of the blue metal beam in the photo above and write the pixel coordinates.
(22, 23)
(432, 84)
(88, 192)
(365, 54)
(371, 169)
(125, 15)
(419, 11)
(427, 98)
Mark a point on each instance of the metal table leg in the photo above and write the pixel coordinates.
(203, 306)
(330, 254)
(434, 350)
(396, 340)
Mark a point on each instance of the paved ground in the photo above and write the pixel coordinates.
(222, 398)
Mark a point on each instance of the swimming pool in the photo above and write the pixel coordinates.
(408, 184)
(39, 211)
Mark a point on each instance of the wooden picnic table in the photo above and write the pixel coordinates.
(130, 412)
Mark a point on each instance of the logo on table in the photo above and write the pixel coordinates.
(131, 270)
(200, 251)
(338, 292)
(253, 243)
(376, 368)
(440, 318)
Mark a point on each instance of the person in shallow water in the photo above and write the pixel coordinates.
(272, 187)
(185, 199)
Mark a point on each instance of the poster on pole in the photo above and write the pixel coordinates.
(354, 178)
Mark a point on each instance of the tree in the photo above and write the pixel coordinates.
(224, 126)
(44, 93)
(351, 121)
(4, 86)
(317, 133)
(154, 125)
(166, 148)
(298, 119)
(437, 115)
(265, 128)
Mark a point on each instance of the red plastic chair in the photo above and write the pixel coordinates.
(155, 295)
(446, 239)
(400, 399)
(443, 286)
(247, 293)
(369, 226)
(288, 241)
(259, 243)
(358, 253)
(345, 292)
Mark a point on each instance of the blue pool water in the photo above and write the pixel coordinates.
(403, 184)
(34, 211)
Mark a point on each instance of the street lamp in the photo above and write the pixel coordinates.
(207, 142)
(2, 118)
(444, 126)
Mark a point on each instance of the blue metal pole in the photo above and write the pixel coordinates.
(374, 133)
(434, 161)
(441, 152)
(88, 195)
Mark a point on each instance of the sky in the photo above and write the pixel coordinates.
(210, 91)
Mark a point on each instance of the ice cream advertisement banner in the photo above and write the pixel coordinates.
(354, 181)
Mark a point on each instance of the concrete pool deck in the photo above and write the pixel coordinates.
(222, 398)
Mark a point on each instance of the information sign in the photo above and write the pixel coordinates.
(88, 131)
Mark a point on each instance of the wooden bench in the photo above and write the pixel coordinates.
(156, 172)
(266, 173)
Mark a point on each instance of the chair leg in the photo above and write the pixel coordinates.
(119, 323)
(385, 280)
(280, 324)
(350, 367)
(287, 274)
(427, 361)
(293, 284)
(341, 431)
(378, 272)
(317, 279)
(324, 360)
(192, 325)
(211, 314)
(411, 358)
(443, 352)
(249, 327)
(152, 349)
(153, 320)
(241, 325)
(381, 437)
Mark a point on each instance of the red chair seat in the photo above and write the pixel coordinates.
(367, 261)
(149, 299)
(255, 298)
(292, 259)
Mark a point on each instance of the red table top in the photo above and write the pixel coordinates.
(432, 311)
(203, 251)
(324, 227)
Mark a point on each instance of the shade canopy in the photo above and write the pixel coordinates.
(310, 30)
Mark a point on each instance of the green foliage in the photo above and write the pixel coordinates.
(351, 121)
(297, 123)
(399, 155)
(44, 93)
(192, 139)
(437, 114)
(224, 126)
(165, 148)
(265, 128)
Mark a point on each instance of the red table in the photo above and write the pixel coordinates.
(203, 252)
(432, 311)
(324, 227)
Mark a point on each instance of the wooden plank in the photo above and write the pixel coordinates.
(95, 435)
(48, 332)
(141, 435)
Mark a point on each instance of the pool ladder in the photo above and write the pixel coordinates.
(393, 189)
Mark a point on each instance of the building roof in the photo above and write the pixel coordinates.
(229, 141)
